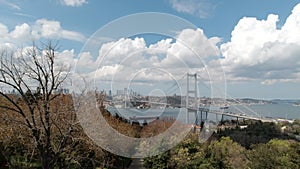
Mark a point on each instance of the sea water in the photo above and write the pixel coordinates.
(282, 111)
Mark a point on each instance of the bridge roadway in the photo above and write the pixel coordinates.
(230, 114)
(146, 119)
(137, 118)
(218, 112)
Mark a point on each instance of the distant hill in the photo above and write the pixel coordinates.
(250, 100)
(287, 101)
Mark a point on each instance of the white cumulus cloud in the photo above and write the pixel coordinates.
(128, 59)
(193, 47)
(21, 32)
(259, 50)
(52, 29)
(42, 28)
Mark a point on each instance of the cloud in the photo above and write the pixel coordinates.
(3, 31)
(199, 8)
(74, 3)
(162, 45)
(259, 50)
(85, 63)
(24, 15)
(128, 59)
(52, 29)
(193, 47)
(106, 72)
(117, 51)
(66, 58)
(269, 82)
(11, 5)
(42, 28)
(21, 32)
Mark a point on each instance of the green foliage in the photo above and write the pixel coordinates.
(157, 162)
(78, 154)
(14, 154)
(255, 133)
(226, 154)
(253, 147)
(275, 154)
(292, 128)
(188, 154)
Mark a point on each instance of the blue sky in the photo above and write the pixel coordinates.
(242, 33)
(92, 15)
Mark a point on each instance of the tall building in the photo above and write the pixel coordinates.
(120, 92)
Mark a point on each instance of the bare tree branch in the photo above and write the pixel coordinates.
(21, 72)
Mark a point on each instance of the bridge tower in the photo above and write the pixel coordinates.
(192, 104)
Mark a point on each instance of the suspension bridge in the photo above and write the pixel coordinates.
(192, 107)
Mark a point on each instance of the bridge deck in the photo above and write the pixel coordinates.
(230, 114)
(143, 117)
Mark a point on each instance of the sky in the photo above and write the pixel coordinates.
(248, 48)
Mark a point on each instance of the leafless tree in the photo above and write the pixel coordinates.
(35, 77)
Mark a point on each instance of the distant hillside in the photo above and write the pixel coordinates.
(250, 100)
(287, 101)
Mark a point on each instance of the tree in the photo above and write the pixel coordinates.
(22, 72)
(257, 132)
(275, 154)
(226, 153)
(189, 154)
(157, 162)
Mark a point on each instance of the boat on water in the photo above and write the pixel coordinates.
(224, 107)
(296, 104)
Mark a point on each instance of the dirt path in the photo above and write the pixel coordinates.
(137, 163)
